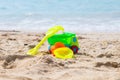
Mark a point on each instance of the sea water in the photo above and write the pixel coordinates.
(75, 16)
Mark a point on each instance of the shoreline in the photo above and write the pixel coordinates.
(43, 31)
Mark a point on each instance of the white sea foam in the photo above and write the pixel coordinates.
(70, 23)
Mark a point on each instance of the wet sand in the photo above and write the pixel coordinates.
(98, 58)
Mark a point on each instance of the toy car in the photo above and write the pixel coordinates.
(68, 39)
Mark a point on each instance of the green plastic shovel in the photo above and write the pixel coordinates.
(49, 33)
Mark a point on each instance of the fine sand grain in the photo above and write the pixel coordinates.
(98, 58)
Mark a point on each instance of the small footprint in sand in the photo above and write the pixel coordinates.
(9, 60)
(8, 65)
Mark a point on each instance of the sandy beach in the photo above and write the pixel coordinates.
(97, 59)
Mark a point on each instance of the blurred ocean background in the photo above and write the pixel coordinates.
(74, 15)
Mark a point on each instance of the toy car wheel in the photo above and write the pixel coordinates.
(74, 49)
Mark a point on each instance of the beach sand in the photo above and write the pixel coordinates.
(97, 59)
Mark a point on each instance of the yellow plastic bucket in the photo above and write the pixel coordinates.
(63, 53)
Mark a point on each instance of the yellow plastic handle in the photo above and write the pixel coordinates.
(49, 33)
(54, 30)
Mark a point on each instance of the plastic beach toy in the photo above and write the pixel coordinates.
(57, 45)
(63, 53)
(49, 33)
(68, 39)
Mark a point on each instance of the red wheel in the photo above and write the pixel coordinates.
(74, 49)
